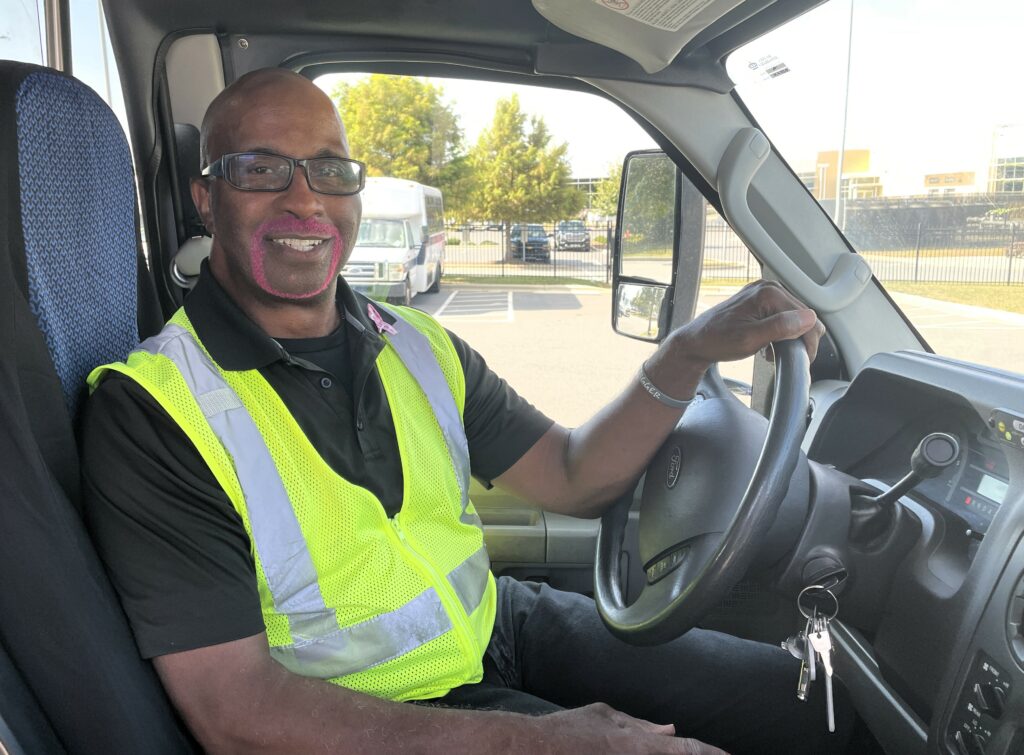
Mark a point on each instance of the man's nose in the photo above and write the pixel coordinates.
(299, 199)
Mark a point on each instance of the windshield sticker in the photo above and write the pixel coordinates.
(669, 15)
(768, 67)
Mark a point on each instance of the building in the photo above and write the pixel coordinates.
(589, 188)
(1006, 175)
(1006, 166)
(944, 184)
(857, 181)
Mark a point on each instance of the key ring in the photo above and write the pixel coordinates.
(807, 615)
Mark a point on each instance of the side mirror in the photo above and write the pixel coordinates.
(644, 252)
(640, 310)
(658, 251)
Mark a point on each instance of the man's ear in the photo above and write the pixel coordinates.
(200, 189)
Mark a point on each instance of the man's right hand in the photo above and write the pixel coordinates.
(599, 728)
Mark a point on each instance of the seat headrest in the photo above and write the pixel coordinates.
(188, 261)
(67, 200)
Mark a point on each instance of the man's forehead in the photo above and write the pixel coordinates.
(273, 111)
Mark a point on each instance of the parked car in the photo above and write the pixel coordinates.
(572, 234)
(529, 243)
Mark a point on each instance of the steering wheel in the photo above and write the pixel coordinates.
(704, 514)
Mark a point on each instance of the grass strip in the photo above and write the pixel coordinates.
(990, 295)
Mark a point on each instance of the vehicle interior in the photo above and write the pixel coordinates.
(850, 472)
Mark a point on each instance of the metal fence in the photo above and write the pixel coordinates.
(993, 255)
(980, 255)
(539, 251)
(970, 254)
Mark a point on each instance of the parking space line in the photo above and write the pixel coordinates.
(479, 306)
(443, 307)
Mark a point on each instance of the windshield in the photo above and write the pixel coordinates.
(536, 231)
(905, 121)
(571, 225)
(383, 233)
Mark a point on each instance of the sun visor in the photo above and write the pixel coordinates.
(651, 32)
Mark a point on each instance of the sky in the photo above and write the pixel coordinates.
(931, 82)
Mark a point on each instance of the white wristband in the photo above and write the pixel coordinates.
(652, 389)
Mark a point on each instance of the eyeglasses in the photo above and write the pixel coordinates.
(265, 171)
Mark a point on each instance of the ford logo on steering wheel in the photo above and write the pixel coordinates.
(675, 463)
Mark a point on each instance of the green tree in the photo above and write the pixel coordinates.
(401, 126)
(518, 175)
(606, 196)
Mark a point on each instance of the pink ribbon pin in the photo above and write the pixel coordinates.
(382, 327)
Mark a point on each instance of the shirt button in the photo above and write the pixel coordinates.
(325, 382)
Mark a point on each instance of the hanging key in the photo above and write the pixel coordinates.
(803, 683)
(799, 648)
(821, 642)
(811, 656)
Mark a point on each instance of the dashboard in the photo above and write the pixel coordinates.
(933, 626)
(975, 485)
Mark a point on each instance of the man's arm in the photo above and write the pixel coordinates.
(236, 698)
(580, 471)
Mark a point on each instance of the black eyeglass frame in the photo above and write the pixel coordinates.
(216, 170)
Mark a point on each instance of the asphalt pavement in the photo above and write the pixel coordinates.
(555, 345)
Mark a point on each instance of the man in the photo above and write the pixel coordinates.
(277, 483)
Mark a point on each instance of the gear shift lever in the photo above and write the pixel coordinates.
(870, 516)
(935, 452)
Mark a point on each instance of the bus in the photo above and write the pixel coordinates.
(400, 248)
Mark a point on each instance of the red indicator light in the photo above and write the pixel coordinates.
(968, 500)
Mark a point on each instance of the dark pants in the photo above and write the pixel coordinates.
(550, 651)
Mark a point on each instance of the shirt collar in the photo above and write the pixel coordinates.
(237, 343)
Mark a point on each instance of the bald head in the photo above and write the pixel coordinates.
(235, 103)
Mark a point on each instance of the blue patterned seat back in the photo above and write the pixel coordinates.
(71, 678)
(77, 210)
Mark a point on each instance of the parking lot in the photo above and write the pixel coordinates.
(555, 345)
(482, 252)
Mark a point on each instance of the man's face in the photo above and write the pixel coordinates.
(285, 246)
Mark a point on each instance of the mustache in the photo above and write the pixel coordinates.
(294, 226)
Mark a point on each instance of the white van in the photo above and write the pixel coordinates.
(400, 249)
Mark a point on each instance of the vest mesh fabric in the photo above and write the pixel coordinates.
(362, 567)
(78, 241)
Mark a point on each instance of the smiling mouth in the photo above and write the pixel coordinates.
(299, 244)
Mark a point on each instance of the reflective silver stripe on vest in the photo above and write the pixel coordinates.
(319, 648)
(356, 648)
(414, 350)
(469, 579)
(277, 537)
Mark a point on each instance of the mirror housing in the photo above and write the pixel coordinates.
(644, 251)
(658, 250)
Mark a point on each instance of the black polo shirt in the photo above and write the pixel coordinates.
(170, 537)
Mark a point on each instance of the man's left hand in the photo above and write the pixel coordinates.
(739, 327)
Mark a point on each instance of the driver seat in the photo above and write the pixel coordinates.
(71, 678)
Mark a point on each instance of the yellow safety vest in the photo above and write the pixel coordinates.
(400, 608)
